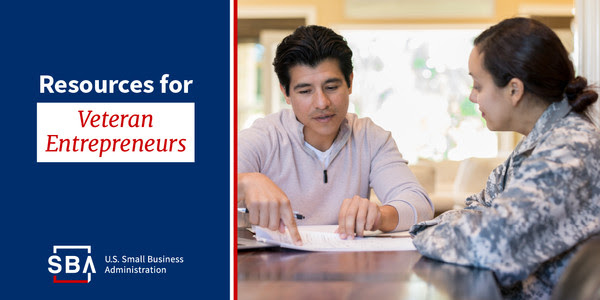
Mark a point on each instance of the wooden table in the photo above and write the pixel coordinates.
(277, 273)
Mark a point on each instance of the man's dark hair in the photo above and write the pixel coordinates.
(310, 45)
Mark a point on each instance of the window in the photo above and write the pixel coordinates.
(250, 96)
(415, 83)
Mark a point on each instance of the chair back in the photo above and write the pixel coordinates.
(581, 278)
(473, 173)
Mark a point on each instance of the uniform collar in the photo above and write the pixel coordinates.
(545, 123)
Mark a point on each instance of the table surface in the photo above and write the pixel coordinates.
(278, 273)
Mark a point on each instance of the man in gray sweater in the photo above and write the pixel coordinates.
(317, 158)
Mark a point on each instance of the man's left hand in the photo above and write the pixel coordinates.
(356, 215)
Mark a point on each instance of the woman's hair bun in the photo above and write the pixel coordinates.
(579, 95)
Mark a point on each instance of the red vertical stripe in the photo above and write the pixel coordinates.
(235, 151)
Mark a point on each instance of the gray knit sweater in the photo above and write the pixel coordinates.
(363, 156)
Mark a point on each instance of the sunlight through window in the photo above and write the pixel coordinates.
(415, 83)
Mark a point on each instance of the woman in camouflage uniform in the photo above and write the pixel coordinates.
(544, 200)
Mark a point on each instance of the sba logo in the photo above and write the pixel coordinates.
(72, 268)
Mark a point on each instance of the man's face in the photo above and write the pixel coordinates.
(319, 97)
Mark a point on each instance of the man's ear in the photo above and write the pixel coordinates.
(351, 77)
(516, 90)
(287, 98)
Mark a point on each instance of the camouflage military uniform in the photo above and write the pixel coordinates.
(535, 210)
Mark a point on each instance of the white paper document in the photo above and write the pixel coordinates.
(324, 238)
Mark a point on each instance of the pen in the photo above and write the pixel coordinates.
(296, 214)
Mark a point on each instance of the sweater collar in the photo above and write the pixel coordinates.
(297, 130)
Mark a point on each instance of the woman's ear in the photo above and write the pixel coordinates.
(516, 89)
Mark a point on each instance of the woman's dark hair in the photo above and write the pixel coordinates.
(530, 51)
(310, 45)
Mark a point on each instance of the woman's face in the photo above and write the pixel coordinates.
(494, 102)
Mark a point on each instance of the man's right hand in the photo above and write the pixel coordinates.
(267, 204)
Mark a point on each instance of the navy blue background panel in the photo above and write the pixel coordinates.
(120, 209)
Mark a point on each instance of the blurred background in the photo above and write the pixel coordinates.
(410, 73)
